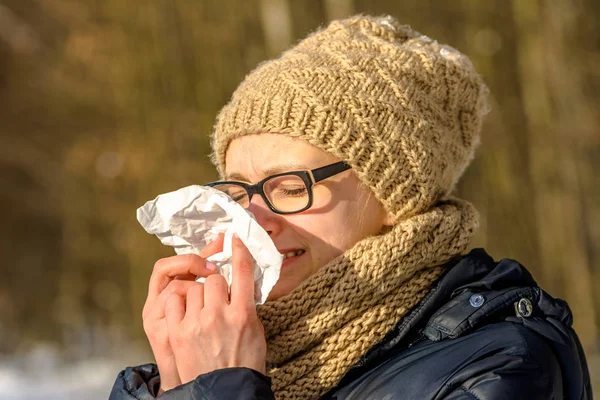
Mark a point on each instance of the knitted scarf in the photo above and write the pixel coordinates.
(323, 327)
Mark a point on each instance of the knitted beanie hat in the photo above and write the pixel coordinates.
(402, 110)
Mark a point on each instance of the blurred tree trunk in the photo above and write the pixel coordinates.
(276, 20)
(558, 123)
(337, 9)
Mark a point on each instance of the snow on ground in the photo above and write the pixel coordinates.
(42, 374)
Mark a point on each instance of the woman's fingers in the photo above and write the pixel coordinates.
(187, 277)
(174, 311)
(213, 247)
(194, 302)
(242, 283)
(171, 280)
(216, 333)
(175, 287)
(215, 292)
(186, 266)
(167, 269)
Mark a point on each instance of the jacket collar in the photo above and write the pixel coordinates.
(480, 289)
(447, 311)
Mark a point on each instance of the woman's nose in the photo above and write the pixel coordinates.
(266, 218)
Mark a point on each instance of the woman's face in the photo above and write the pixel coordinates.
(343, 212)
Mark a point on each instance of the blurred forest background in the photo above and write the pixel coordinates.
(104, 104)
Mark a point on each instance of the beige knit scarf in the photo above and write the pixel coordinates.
(323, 327)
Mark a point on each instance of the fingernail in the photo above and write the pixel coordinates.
(211, 266)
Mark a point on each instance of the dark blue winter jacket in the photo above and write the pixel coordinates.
(485, 331)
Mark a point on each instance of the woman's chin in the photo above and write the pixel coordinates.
(283, 286)
(294, 271)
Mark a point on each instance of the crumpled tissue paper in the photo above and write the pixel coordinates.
(190, 218)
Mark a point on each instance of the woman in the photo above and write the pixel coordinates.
(354, 140)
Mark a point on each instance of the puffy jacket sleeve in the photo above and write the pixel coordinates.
(142, 383)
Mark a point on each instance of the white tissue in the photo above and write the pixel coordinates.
(190, 218)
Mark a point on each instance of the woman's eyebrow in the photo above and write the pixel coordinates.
(277, 169)
(274, 170)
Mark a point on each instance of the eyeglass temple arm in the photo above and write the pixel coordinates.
(319, 174)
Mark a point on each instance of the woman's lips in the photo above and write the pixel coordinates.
(288, 261)
(291, 256)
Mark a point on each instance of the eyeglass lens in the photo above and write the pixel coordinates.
(287, 193)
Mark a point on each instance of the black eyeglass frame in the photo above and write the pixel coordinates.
(309, 177)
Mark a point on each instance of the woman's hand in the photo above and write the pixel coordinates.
(172, 276)
(212, 330)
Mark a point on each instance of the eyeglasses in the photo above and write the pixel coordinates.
(285, 193)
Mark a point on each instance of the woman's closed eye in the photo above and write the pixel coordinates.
(289, 191)
(238, 197)
(299, 191)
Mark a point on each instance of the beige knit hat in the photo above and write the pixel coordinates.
(404, 111)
